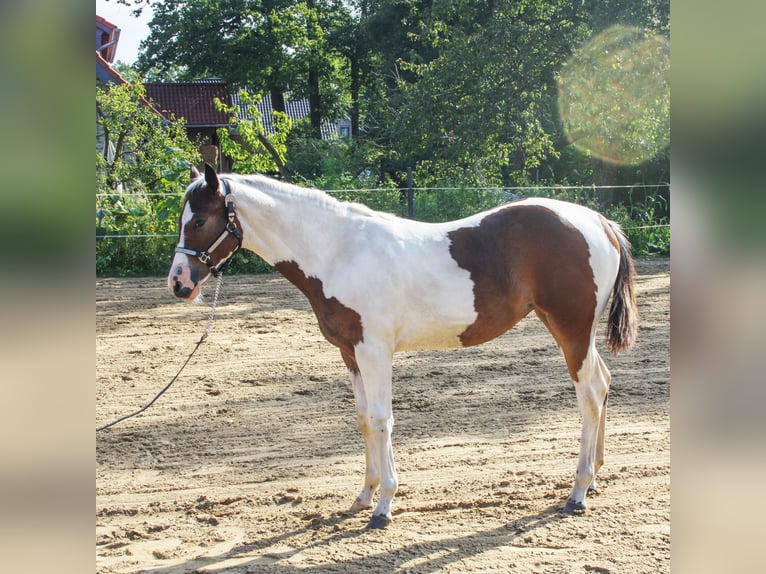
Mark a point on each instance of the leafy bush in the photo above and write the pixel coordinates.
(134, 255)
(141, 172)
(649, 234)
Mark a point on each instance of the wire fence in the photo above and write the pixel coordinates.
(395, 201)
(166, 235)
(417, 189)
(136, 232)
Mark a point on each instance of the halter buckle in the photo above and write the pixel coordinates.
(231, 227)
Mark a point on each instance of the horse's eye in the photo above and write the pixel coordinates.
(199, 223)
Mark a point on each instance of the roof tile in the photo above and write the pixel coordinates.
(296, 110)
(192, 101)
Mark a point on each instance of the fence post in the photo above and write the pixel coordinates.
(410, 195)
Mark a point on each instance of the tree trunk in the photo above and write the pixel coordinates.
(604, 174)
(314, 97)
(355, 84)
(283, 173)
(314, 103)
(278, 100)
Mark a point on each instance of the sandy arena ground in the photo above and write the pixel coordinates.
(251, 460)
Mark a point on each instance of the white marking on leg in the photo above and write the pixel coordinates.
(375, 363)
(607, 376)
(372, 468)
(591, 389)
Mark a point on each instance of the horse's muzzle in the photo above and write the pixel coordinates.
(183, 281)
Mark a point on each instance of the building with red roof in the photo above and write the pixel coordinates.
(195, 103)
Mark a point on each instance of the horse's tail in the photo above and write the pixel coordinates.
(623, 313)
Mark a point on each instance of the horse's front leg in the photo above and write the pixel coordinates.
(372, 468)
(377, 421)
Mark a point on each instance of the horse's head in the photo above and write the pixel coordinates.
(209, 234)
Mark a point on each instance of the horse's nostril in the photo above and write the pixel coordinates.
(181, 291)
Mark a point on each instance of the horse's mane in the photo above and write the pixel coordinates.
(308, 194)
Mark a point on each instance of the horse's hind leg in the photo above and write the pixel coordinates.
(592, 387)
(591, 378)
(602, 424)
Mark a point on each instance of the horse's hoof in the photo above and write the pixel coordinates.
(379, 521)
(573, 507)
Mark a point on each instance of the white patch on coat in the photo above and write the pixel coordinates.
(423, 299)
(179, 269)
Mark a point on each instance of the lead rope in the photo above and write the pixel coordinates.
(208, 326)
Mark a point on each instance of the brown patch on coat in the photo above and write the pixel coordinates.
(340, 325)
(526, 257)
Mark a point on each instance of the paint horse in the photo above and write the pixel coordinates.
(381, 284)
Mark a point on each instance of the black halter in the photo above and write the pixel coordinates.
(230, 229)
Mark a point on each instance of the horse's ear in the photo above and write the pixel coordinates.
(211, 178)
(194, 173)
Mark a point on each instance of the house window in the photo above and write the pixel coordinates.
(345, 131)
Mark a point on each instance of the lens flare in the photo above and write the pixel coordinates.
(614, 95)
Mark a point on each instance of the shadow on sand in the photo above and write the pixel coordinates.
(257, 557)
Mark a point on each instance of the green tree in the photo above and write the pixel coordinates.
(252, 150)
(475, 103)
(463, 91)
(141, 150)
(275, 46)
(614, 101)
(466, 92)
(141, 168)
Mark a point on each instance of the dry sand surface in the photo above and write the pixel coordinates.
(251, 460)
